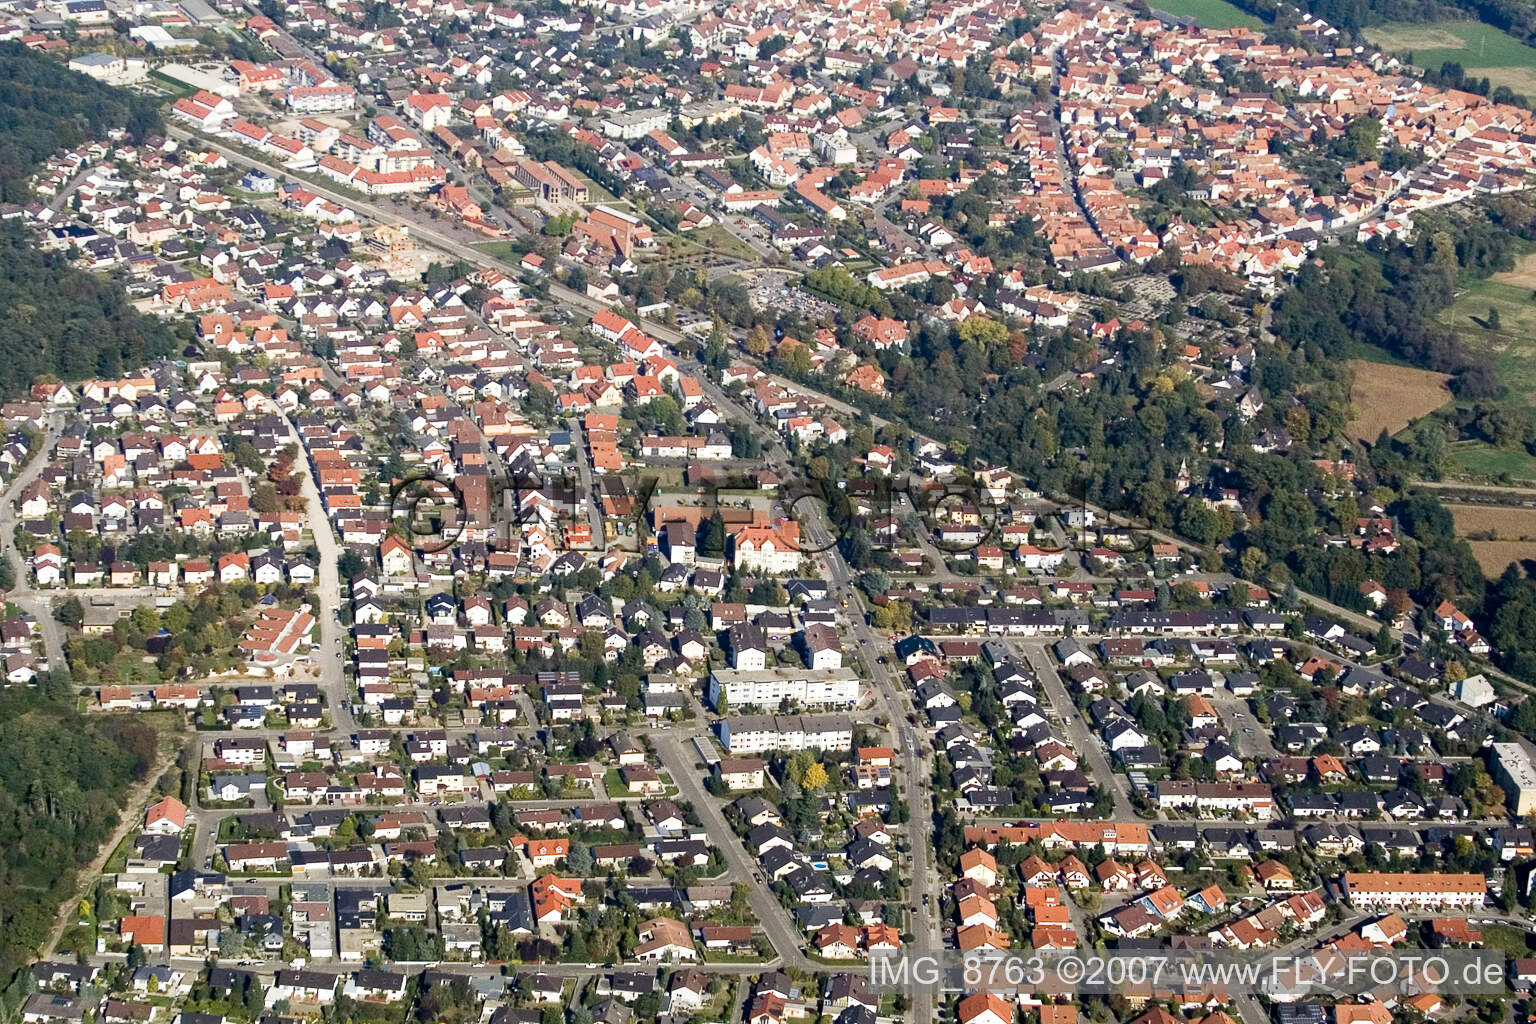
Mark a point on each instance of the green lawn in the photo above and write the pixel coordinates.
(1470, 43)
(117, 861)
(1512, 344)
(717, 239)
(595, 192)
(1509, 940)
(614, 783)
(668, 478)
(1210, 13)
(1485, 460)
(170, 85)
(713, 241)
(501, 250)
(1480, 49)
(713, 957)
(1357, 349)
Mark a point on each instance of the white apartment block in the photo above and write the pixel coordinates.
(809, 687)
(752, 734)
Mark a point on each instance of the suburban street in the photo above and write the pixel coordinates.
(332, 654)
(1038, 657)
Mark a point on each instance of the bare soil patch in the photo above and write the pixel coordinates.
(1523, 275)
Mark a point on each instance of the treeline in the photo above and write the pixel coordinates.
(1514, 17)
(1451, 75)
(45, 107)
(1353, 15)
(62, 781)
(67, 322)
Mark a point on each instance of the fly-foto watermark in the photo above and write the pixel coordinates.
(1156, 973)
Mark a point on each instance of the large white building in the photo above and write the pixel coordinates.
(752, 734)
(110, 68)
(809, 687)
(321, 99)
(203, 80)
(773, 548)
(636, 124)
(1252, 799)
(1512, 769)
(1405, 890)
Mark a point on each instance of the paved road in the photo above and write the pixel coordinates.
(916, 769)
(892, 698)
(1075, 725)
(676, 755)
(332, 655)
(424, 231)
(19, 483)
(426, 234)
(588, 485)
(581, 972)
(38, 603)
(57, 202)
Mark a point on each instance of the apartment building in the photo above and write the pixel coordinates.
(1432, 891)
(752, 734)
(809, 687)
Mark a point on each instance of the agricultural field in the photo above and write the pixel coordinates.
(1498, 317)
(1494, 556)
(1498, 534)
(1210, 13)
(1391, 397)
(1481, 50)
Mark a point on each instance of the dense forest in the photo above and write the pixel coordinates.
(55, 319)
(45, 107)
(66, 322)
(62, 780)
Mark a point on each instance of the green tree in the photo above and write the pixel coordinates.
(70, 612)
(983, 331)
